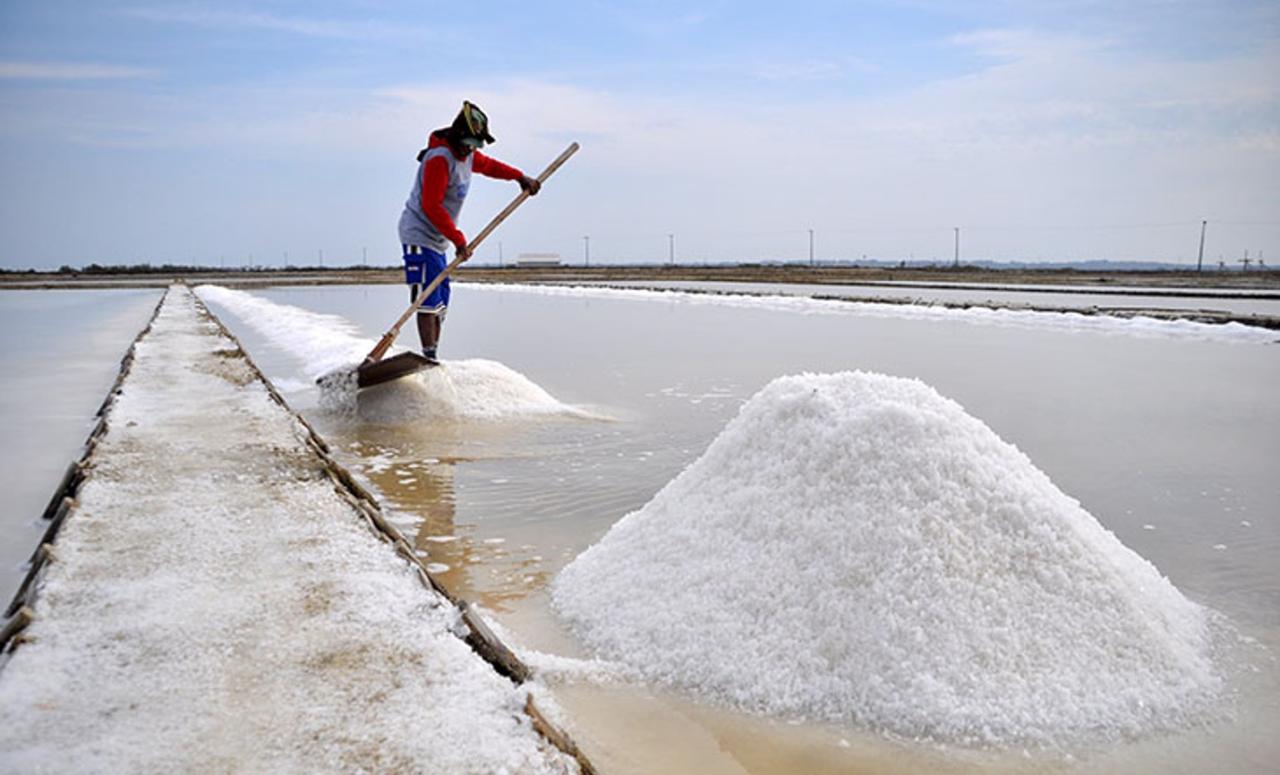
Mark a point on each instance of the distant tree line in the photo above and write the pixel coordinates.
(976, 268)
(190, 269)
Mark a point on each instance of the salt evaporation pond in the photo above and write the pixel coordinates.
(856, 548)
(61, 350)
(1168, 439)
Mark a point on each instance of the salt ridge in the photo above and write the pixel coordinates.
(320, 342)
(856, 548)
(1063, 321)
(472, 389)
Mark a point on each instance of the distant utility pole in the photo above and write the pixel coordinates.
(957, 259)
(1245, 261)
(1200, 258)
(586, 250)
(321, 251)
(810, 247)
(671, 249)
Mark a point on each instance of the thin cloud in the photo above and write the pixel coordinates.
(70, 71)
(650, 25)
(1027, 44)
(197, 16)
(804, 70)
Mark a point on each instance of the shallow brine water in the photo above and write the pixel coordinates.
(1169, 441)
(60, 352)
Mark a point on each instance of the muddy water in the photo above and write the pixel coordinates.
(60, 352)
(1173, 445)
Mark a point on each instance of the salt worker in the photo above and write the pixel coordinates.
(429, 221)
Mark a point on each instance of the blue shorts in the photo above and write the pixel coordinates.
(420, 268)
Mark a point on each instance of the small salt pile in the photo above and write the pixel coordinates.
(330, 348)
(856, 548)
(474, 389)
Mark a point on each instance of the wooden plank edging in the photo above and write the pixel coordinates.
(16, 624)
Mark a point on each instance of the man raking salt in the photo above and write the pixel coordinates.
(429, 221)
(427, 226)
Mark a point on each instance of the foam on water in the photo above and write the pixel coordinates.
(856, 548)
(329, 346)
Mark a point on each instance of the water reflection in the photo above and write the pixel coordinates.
(60, 352)
(417, 480)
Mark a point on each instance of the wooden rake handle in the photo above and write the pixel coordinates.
(385, 342)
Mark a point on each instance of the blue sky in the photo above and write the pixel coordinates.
(212, 132)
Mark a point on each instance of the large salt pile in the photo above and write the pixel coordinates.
(856, 548)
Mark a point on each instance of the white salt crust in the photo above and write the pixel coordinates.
(216, 606)
(856, 548)
(1061, 321)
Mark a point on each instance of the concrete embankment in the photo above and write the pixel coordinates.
(221, 596)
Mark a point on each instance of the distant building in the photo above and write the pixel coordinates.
(538, 260)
